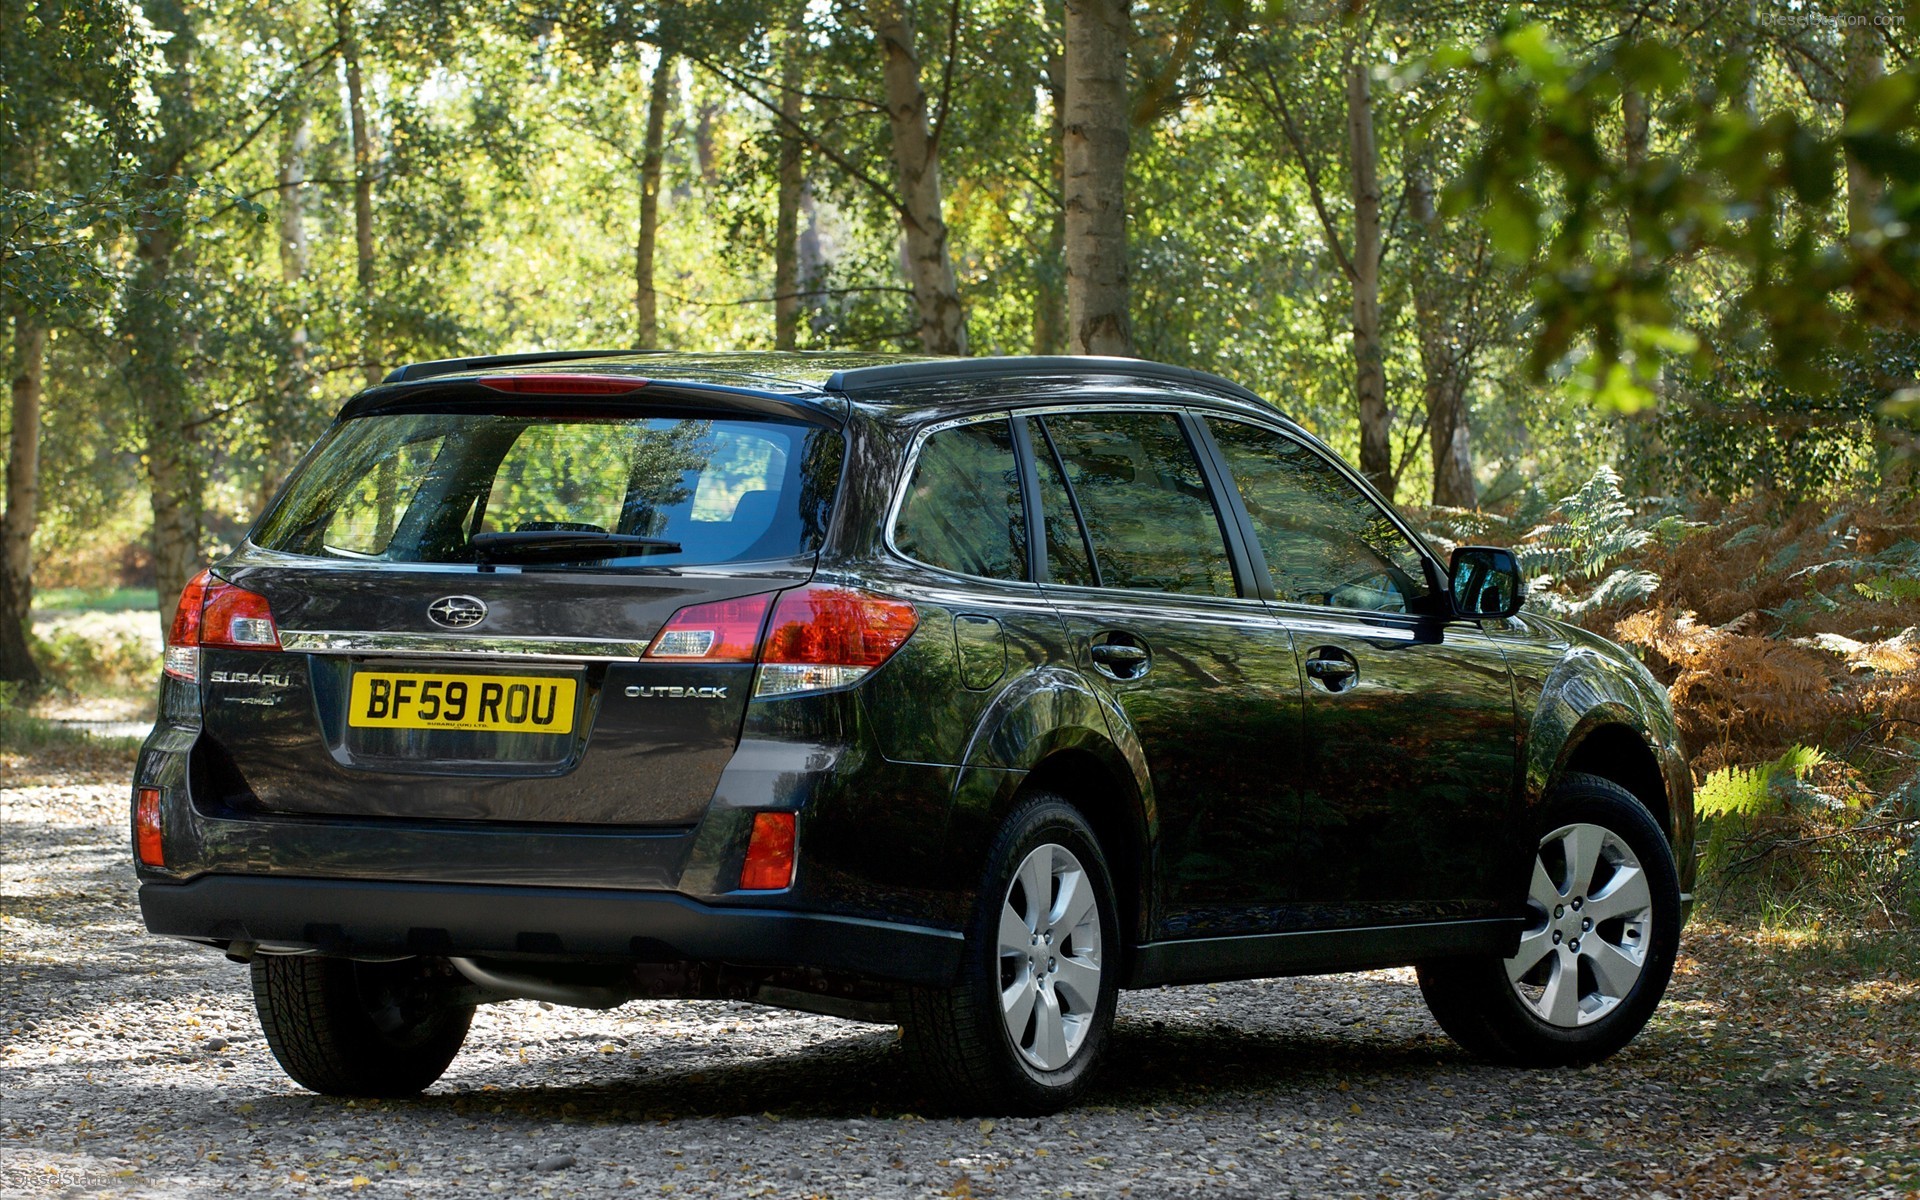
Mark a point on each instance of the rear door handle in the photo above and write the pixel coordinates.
(1332, 669)
(1120, 660)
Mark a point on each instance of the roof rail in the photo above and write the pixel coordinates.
(934, 370)
(449, 366)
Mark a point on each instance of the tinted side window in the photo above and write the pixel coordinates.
(1325, 541)
(1146, 506)
(962, 510)
(1066, 545)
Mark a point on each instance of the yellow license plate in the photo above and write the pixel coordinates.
(486, 703)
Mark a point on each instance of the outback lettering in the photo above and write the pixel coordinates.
(678, 693)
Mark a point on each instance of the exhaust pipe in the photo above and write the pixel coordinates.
(514, 986)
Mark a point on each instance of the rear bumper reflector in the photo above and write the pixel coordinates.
(362, 917)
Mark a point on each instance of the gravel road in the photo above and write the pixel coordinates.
(133, 1066)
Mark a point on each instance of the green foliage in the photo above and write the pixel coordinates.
(1748, 188)
(97, 662)
(21, 732)
(1576, 560)
(1746, 791)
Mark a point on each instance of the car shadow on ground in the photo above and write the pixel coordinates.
(863, 1074)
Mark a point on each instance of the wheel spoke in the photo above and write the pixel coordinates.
(1613, 971)
(1533, 947)
(1076, 901)
(1049, 1031)
(1016, 1003)
(1543, 891)
(1560, 1003)
(1016, 935)
(1626, 894)
(1582, 844)
(1036, 877)
(1079, 980)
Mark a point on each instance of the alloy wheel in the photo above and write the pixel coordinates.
(1592, 917)
(1050, 958)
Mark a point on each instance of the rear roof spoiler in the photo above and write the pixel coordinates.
(451, 366)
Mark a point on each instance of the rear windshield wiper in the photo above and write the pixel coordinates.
(564, 546)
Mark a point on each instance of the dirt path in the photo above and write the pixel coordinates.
(132, 1066)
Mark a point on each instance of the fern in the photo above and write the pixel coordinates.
(1576, 560)
(1746, 791)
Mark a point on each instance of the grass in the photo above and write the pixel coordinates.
(28, 741)
(47, 601)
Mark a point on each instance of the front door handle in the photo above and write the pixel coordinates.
(1120, 660)
(1332, 668)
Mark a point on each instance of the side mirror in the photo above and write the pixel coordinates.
(1486, 582)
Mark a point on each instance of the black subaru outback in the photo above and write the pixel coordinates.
(951, 694)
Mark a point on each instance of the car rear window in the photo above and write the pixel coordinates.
(417, 487)
(962, 511)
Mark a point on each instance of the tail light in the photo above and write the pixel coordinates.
(146, 828)
(213, 612)
(829, 637)
(769, 864)
(724, 631)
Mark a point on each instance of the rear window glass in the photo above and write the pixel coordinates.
(962, 511)
(417, 488)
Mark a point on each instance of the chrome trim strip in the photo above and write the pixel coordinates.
(459, 645)
(1365, 631)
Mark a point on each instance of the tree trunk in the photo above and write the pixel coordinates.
(23, 501)
(786, 223)
(158, 385)
(362, 186)
(645, 299)
(1896, 454)
(916, 166)
(1864, 64)
(293, 176)
(705, 154)
(295, 258)
(1049, 294)
(1445, 365)
(1370, 376)
(1095, 131)
(1642, 450)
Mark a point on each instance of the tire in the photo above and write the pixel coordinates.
(1038, 1053)
(346, 1028)
(1595, 961)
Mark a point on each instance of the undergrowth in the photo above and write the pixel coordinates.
(23, 733)
(1788, 635)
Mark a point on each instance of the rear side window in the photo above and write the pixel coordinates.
(1148, 513)
(1066, 548)
(416, 488)
(962, 511)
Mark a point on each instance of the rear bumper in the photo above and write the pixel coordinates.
(377, 917)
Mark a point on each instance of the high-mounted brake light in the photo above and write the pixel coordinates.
(213, 612)
(829, 637)
(769, 863)
(723, 631)
(564, 385)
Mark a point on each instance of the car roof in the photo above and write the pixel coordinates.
(900, 383)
